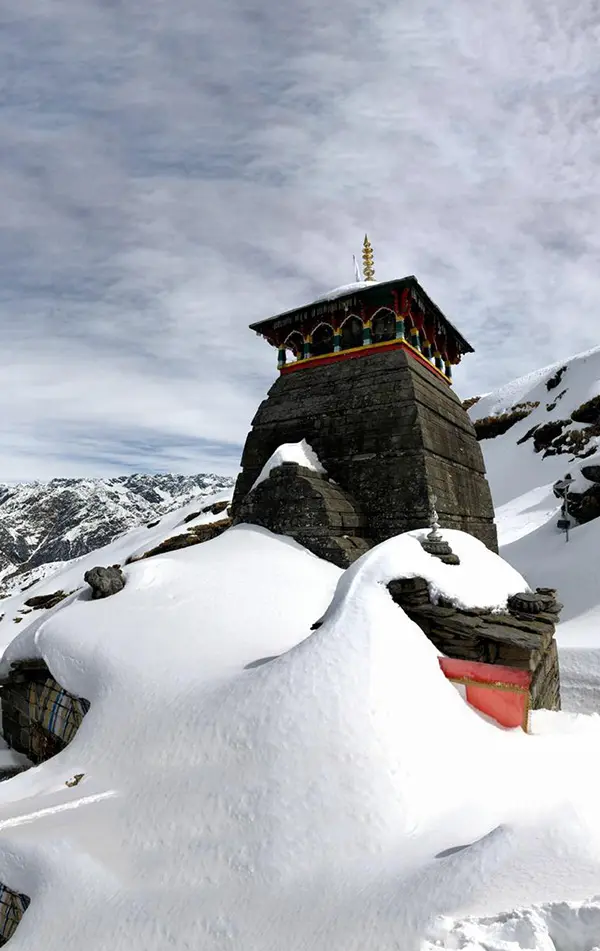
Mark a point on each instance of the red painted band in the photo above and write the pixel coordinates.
(362, 352)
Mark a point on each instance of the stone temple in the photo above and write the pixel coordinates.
(369, 387)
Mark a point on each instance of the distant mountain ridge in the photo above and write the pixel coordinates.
(47, 522)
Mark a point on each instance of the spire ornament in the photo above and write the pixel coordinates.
(434, 543)
(368, 265)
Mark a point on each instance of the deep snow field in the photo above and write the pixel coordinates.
(339, 797)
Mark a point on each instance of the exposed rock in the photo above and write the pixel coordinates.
(588, 412)
(46, 600)
(318, 514)
(194, 536)
(554, 381)
(105, 582)
(575, 442)
(467, 404)
(489, 426)
(218, 507)
(527, 435)
(591, 472)
(547, 432)
(585, 506)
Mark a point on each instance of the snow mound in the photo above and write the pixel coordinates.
(298, 452)
(339, 796)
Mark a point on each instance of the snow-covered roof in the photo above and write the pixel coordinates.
(343, 290)
(290, 318)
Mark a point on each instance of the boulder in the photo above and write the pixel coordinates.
(105, 581)
(592, 473)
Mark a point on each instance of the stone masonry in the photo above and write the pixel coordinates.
(389, 432)
(522, 637)
(318, 514)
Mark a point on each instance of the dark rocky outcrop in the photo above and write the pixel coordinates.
(319, 515)
(545, 434)
(490, 426)
(193, 536)
(592, 473)
(585, 506)
(46, 601)
(105, 582)
(389, 432)
(554, 380)
(528, 435)
(515, 638)
(588, 412)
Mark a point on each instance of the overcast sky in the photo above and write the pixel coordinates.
(172, 170)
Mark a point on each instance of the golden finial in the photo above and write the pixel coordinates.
(368, 266)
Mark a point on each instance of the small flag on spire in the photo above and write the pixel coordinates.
(357, 274)
(368, 265)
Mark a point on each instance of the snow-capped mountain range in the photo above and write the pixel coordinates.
(43, 525)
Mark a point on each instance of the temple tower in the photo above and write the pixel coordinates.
(365, 377)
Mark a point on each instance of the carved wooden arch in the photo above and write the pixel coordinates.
(349, 339)
(322, 344)
(294, 342)
(349, 317)
(383, 324)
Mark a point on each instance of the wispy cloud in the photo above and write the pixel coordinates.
(171, 171)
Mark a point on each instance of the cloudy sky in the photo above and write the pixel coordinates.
(172, 170)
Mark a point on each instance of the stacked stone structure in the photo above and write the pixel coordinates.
(522, 636)
(39, 717)
(318, 514)
(389, 432)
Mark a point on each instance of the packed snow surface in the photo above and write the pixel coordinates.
(339, 796)
(298, 452)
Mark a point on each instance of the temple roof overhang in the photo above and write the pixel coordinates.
(372, 294)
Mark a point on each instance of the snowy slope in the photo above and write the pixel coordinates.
(527, 512)
(50, 523)
(318, 801)
(513, 469)
(68, 577)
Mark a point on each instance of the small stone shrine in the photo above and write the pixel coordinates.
(369, 389)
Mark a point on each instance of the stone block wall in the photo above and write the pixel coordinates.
(39, 718)
(513, 638)
(389, 432)
(298, 502)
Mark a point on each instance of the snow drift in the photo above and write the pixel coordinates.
(320, 800)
